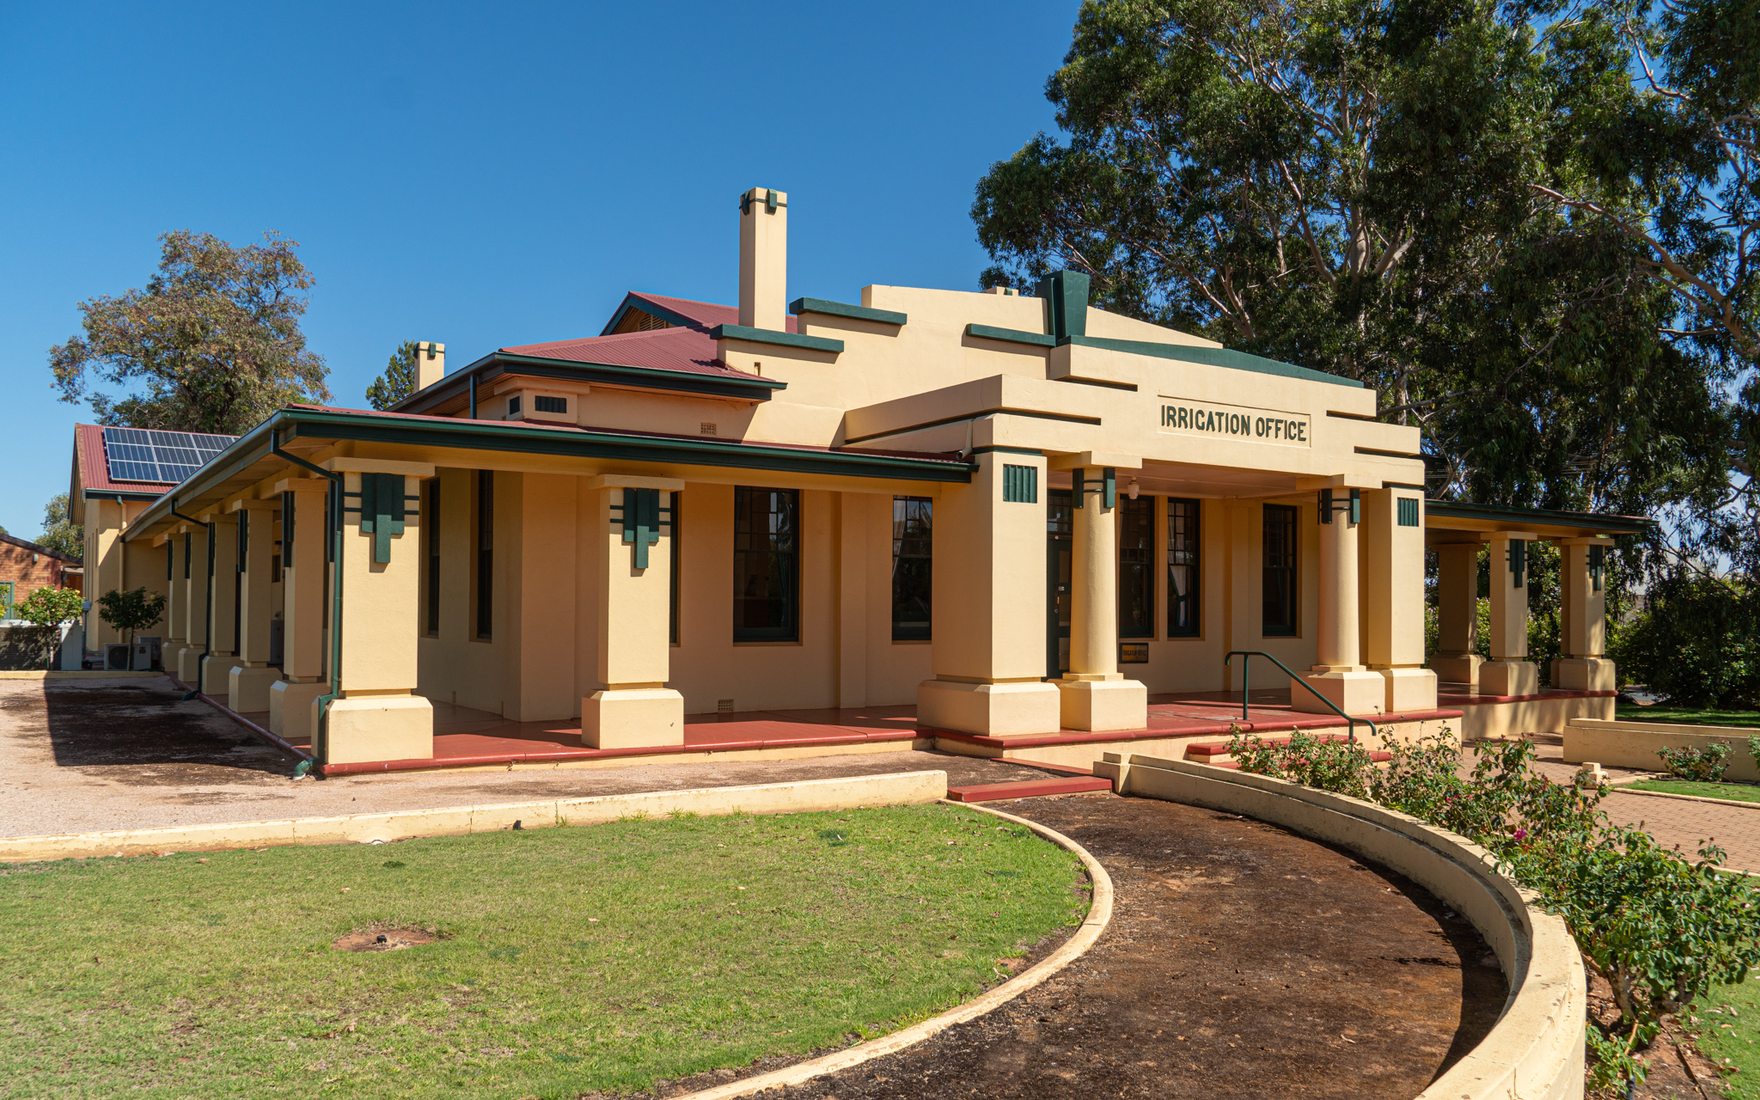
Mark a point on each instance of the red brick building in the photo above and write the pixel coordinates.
(26, 567)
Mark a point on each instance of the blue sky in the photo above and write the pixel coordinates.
(485, 174)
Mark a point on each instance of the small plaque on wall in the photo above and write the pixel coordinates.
(1133, 653)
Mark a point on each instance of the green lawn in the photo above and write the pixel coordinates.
(1729, 1028)
(1734, 792)
(573, 959)
(1693, 716)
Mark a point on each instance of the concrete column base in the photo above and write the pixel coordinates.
(1509, 678)
(1584, 674)
(291, 711)
(189, 665)
(217, 674)
(171, 657)
(1103, 704)
(998, 710)
(624, 718)
(376, 727)
(1457, 668)
(248, 687)
(1409, 689)
(1354, 691)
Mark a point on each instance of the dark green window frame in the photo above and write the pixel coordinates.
(1184, 568)
(766, 565)
(913, 569)
(1136, 567)
(677, 565)
(1280, 615)
(484, 582)
(7, 597)
(431, 555)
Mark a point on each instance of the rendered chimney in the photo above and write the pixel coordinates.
(430, 364)
(763, 258)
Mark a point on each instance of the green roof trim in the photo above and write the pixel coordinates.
(844, 309)
(1011, 336)
(772, 336)
(1215, 357)
(680, 381)
(1585, 521)
(652, 309)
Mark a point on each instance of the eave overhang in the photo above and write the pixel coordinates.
(1464, 516)
(498, 363)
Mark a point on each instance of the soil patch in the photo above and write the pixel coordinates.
(1242, 961)
(385, 937)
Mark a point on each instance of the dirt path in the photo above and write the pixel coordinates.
(1242, 961)
(88, 755)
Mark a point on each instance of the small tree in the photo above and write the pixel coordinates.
(398, 380)
(130, 611)
(60, 533)
(50, 609)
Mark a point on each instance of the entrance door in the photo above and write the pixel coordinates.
(1058, 533)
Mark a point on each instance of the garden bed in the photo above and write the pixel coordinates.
(560, 961)
(1721, 791)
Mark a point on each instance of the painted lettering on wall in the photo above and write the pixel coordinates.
(1212, 418)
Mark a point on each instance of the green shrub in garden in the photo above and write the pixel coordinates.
(1661, 929)
(1701, 764)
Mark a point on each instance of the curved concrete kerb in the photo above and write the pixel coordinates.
(1099, 915)
(1535, 1050)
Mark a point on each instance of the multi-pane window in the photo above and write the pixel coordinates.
(431, 555)
(550, 404)
(912, 567)
(1136, 567)
(485, 555)
(1280, 571)
(766, 565)
(1183, 619)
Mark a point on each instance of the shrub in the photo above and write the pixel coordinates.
(1327, 763)
(1701, 764)
(130, 611)
(1697, 643)
(50, 608)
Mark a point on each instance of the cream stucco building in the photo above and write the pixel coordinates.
(998, 521)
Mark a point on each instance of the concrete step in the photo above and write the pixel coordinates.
(1028, 788)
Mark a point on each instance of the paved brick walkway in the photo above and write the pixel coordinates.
(1677, 822)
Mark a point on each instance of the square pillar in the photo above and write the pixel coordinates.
(1338, 674)
(1392, 545)
(195, 628)
(222, 608)
(629, 529)
(1093, 695)
(1582, 573)
(176, 603)
(304, 529)
(377, 716)
(989, 603)
(251, 677)
(1457, 659)
(1509, 672)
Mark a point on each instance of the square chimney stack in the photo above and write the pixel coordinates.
(430, 364)
(763, 259)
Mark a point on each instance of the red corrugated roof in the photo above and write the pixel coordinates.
(687, 350)
(94, 470)
(706, 314)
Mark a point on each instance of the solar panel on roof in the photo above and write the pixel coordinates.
(143, 454)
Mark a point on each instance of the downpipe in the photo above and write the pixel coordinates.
(321, 735)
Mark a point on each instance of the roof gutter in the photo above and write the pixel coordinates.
(333, 506)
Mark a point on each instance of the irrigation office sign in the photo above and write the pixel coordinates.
(1210, 418)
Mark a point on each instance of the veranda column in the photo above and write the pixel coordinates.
(377, 715)
(304, 527)
(176, 603)
(1093, 695)
(1509, 672)
(249, 682)
(222, 608)
(1584, 665)
(1393, 597)
(989, 607)
(189, 663)
(628, 526)
(1457, 657)
(1338, 674)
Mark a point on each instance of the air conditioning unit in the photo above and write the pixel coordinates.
(116, 657)
(146, 654)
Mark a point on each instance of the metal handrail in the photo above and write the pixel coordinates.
(1295, 678)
